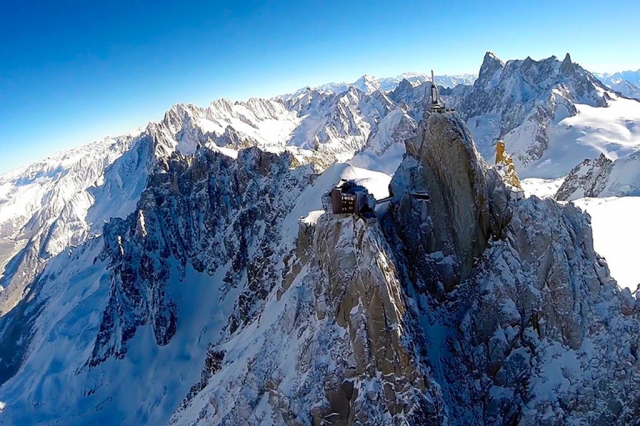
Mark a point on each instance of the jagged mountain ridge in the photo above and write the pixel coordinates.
(65, 199)
(332, 320)
(322, 127)
(318, 127)
(369, 84)
(44, 207)
(602, 178)
(141, 316)
(547, 112)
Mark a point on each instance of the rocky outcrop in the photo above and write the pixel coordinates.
(587, 179)
(517, 311)
(202, 212)
(466, 205)
(602, 178)
(338, 351)
(360, 293)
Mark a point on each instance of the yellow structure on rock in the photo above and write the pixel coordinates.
(504, 163)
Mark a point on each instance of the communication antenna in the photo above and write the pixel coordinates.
(436, 104)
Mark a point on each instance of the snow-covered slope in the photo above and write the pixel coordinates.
(630, 76)
(613, 131)
(46, 208)
(212, 241)
(542, 188)
(616, 233)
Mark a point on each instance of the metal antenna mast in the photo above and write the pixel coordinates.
(436, 105)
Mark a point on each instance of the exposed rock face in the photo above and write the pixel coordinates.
(523, 335)
(587, 179)
(202, 212)
(362, 295)
(602, 178)
(339, 350)
(467, 203)
(527, 338)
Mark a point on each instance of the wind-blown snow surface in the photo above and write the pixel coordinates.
(543, 188)
(613, 130)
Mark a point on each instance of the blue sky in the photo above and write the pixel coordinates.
(74, 71)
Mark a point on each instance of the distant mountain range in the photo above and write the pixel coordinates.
(188, 274)
(369, 84)
(625, 82)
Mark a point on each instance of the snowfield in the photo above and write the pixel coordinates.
(613, 131)
(543, 188)
(616, 235)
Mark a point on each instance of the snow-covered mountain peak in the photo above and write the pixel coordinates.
(490, 71)
(490, 57)
(369, 84)
(530, 103)
(219, 291)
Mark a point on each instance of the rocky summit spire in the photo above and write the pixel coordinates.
(443, 162)
(567, 65)
(491, 65)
